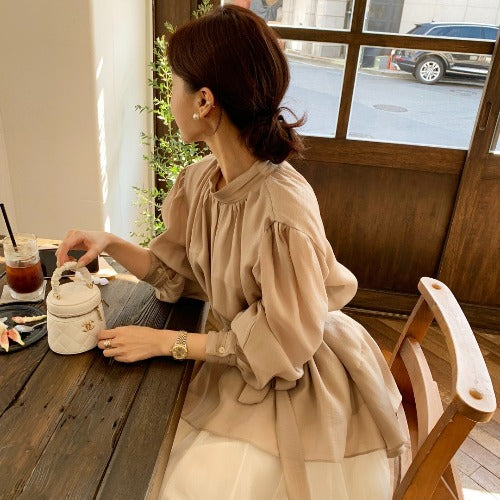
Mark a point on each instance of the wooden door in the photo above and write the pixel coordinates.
(471, 258)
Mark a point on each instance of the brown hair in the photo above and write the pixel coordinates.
(236, 55)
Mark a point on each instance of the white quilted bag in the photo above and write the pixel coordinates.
(74, 312)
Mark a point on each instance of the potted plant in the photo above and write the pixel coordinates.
(168, 153)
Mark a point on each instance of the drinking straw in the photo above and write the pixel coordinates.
(7, 223)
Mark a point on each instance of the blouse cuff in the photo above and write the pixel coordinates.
(221, 348)
(169, 284)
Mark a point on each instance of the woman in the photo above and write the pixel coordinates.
(293, 398)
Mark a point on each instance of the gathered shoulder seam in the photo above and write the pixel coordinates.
(307, 235)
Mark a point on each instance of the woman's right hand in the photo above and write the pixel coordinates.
(94, 242)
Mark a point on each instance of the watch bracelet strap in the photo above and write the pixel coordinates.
(181, 339)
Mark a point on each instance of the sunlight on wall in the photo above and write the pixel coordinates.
(103, 160)
(99, 69)
(121, 52)
(102, 146)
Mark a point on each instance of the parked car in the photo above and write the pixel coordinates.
(430, 67)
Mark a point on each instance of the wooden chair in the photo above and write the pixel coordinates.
(427, 470)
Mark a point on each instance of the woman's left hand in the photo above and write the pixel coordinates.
(133, 343)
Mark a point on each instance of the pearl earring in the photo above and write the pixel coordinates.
(196, 116)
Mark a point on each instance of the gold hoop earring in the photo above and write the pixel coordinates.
(196, 116)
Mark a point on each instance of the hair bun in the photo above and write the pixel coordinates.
(278, 116)
(272, 137)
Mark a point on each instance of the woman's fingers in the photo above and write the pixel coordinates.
(87, 257)
(105, 339)
(105, 334)
(108, 343)
(104, 344)
(114, 352)
(73, 239)
(91, 241)
(127, 343)
(111, 353)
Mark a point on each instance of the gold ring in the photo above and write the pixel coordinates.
(107, 343)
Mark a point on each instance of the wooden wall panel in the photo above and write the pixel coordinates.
(475, 276)
(176, 13)
(385, 154)
(387, 225)
(471, 255)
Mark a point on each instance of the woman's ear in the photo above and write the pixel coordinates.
(206, 101)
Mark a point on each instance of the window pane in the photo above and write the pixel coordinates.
(327, 14)
(418, 18)
(391, 105)
(317, 71)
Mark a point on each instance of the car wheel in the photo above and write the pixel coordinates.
(429, 70)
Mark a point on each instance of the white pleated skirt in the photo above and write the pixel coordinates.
(203, 466)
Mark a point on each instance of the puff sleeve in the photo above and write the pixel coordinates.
(170, 272)
(276, 335)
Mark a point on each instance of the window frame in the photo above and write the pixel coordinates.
(356, 37)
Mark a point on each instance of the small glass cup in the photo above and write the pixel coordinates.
(23, 267)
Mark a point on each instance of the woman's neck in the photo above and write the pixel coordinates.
(233, 157)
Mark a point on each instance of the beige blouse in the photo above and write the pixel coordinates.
(287, 371)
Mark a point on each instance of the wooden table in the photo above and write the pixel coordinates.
(85, 426)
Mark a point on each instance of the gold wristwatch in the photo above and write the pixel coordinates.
(180, 348)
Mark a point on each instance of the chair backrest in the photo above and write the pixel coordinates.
(426, 471)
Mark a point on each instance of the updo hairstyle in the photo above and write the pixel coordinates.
(236, 55)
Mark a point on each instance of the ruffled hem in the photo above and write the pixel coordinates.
(347, 390)
(204, 465)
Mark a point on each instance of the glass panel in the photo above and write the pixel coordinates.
(467, 19)
(317, 72)
(393, 105)
(327, 14)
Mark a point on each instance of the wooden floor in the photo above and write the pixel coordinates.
(479, 457)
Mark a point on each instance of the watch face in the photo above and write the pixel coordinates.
(179, 352)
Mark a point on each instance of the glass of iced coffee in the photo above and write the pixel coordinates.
(23, 267)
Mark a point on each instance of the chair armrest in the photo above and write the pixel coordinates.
(472, 389)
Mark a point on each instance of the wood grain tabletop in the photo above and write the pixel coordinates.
(84, 426)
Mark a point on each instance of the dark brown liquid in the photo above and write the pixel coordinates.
(25, 279)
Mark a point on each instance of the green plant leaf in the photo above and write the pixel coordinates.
(169, 155)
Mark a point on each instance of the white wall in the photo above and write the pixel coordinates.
(71, 134)
(474, 11)
(122, 50)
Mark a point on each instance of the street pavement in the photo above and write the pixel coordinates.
(387, 106)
